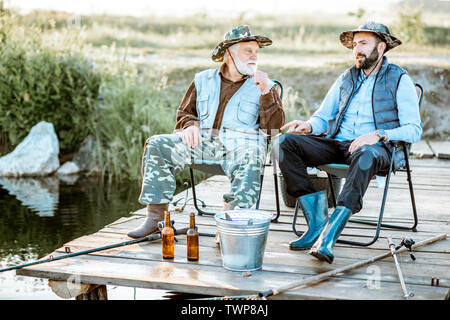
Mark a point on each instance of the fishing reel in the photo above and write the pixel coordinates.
(407, 243)
(161, 225)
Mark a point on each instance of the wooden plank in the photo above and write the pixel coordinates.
(430, 163)
(277, 243)
(421, 150)
(398, 205)
(207, 224)
(417, 272)
(277, 239)
(280, 239)
(200, 279)
(441, 149)
(351, 231)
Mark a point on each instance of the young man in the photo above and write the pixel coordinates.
(370, 104)
(218, 120)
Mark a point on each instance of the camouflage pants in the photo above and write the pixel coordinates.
(166, 155)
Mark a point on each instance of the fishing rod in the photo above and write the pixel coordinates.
(326, 275)
(152, 237)
(263, 295)
(202, 234)
(393, 249)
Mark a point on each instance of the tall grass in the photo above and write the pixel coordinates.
(133, 109)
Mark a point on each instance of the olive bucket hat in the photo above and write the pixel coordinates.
(238, 34)
(379, 29)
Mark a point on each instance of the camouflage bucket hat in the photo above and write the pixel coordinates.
(238, 34)
(379, 29)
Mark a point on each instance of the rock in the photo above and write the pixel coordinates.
(68, 168)
(36, 155)
(68, 172)
(84, 157)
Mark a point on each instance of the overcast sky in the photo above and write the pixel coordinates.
(184, 7)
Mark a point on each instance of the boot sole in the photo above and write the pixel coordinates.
(137, 236)
(299, 248)
(321, 257)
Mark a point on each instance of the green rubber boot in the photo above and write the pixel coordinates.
(315, 210)
(323, 248)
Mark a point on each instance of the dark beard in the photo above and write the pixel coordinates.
(368, 61)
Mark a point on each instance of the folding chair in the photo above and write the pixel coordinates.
(340, 170)
(214, 168)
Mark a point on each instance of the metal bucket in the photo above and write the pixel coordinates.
(243, 239)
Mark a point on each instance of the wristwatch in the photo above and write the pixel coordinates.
(381, 134)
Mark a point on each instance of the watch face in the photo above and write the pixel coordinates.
(381, 133)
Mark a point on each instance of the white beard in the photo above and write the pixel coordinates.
(244, 68)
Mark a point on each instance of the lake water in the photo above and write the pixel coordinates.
(37, 216)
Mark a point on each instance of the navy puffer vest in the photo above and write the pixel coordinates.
(384, 103)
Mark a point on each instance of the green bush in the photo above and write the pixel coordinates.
(38, 83)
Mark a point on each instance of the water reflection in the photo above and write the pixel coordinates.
(39, 195)
(38, 216)
(69, 179)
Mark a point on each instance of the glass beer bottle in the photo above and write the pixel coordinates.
(192, 239)
(168, 238)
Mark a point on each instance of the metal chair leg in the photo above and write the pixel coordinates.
(411, 191)
(200, 211)
(380, 218)
(294, 221)
(275, 180)
(333, 194)
(260, 187)
(379, 224)
(272, 162)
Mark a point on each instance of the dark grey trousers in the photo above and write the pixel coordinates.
(297, 152)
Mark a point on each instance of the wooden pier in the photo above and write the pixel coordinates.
(141, 265)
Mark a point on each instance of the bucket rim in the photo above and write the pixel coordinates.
(259, 217)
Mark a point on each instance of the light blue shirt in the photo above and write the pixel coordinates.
(358, 119)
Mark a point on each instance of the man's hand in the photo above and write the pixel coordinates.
(262, 81)
(298, 126)
(368, 138)
(191, 136)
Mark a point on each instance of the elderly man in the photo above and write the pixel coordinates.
(370, 104)
(218, 120)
